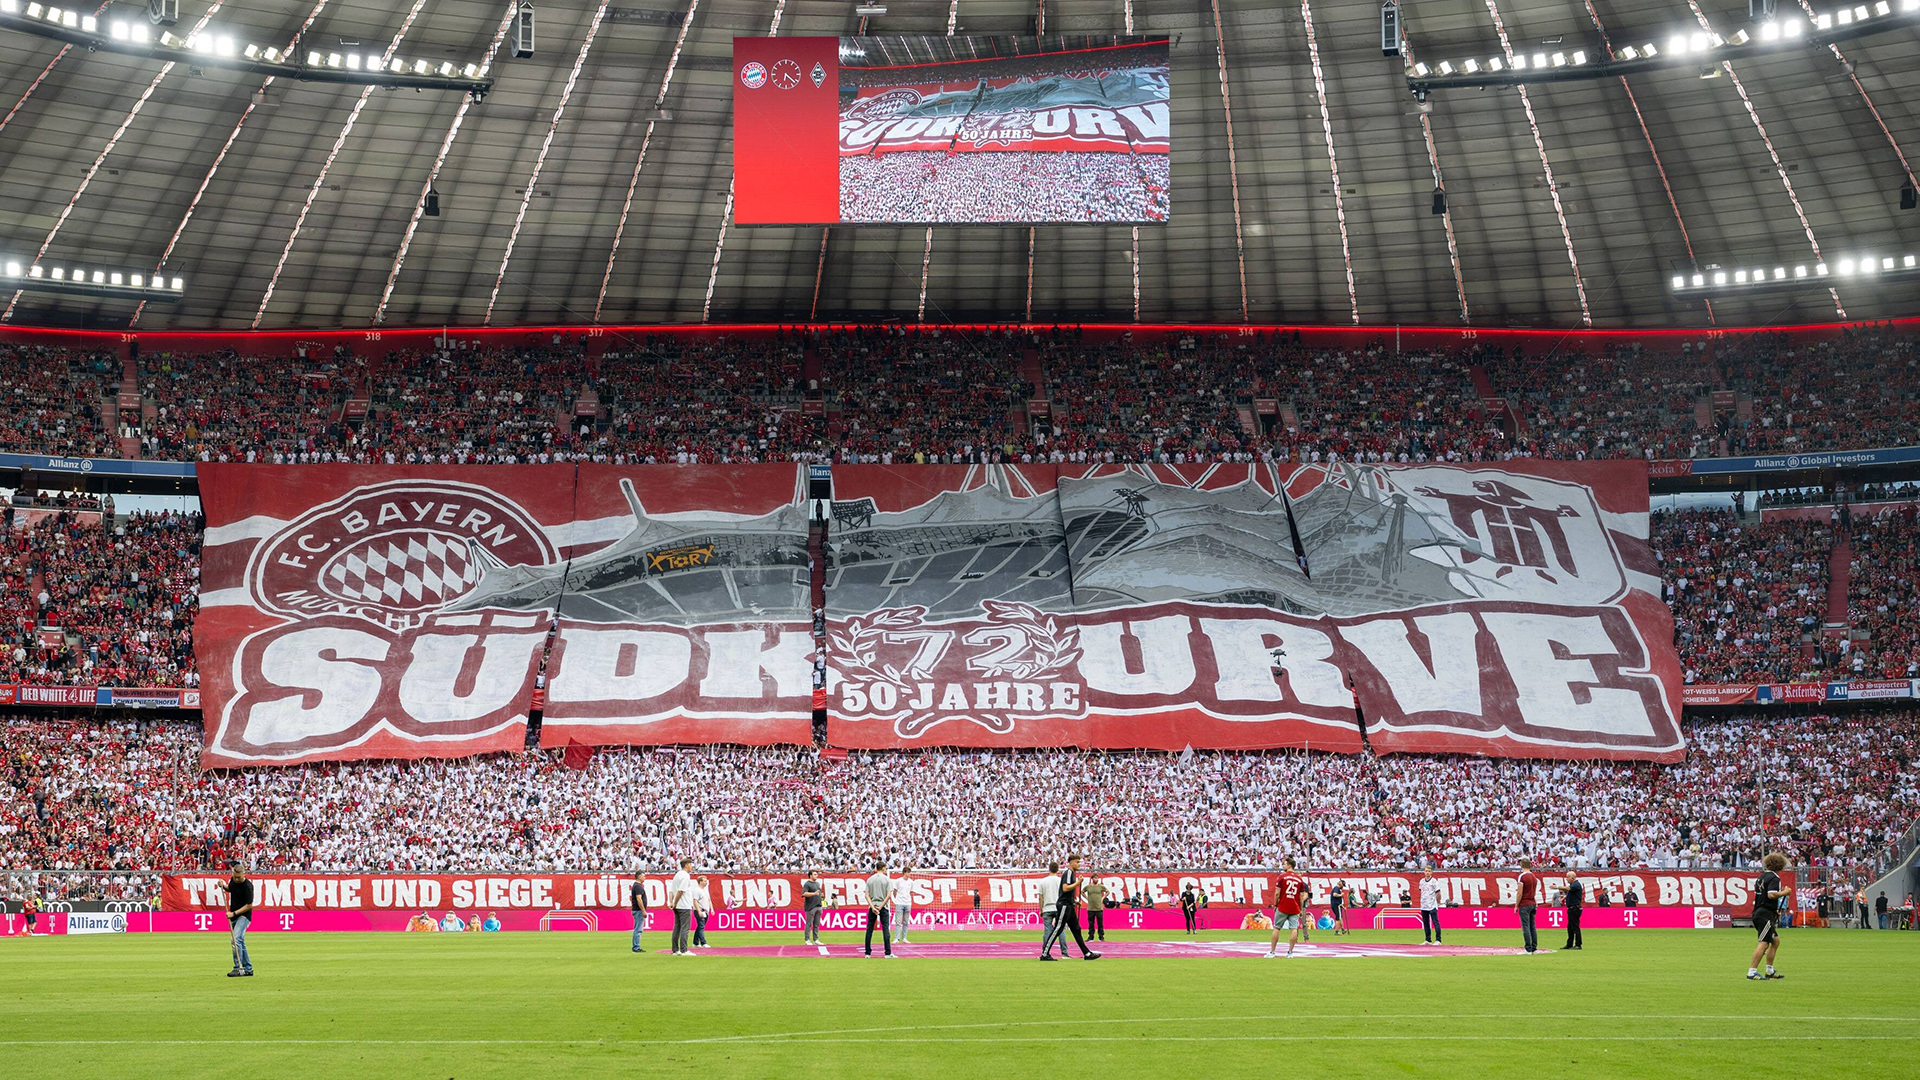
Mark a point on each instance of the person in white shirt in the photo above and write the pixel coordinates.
(1429, 908)
(902, 896)
(680, 894)
(1049, 911)
(879, 889)
(702, 911)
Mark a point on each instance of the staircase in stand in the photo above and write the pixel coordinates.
(1839, 573)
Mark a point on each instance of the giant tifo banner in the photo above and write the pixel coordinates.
(692, 623)
(356, 611)
(1731, 890)
(1504, 610)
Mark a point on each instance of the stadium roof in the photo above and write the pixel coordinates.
(1512, 251)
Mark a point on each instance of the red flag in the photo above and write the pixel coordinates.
(578, 755)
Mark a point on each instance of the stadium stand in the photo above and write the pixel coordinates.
(1747, 596)
(128, 795)
(1883, 597)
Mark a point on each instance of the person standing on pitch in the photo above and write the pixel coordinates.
(680, 896)
(879, 890)
(1096, 894)
(1429, 909)
(1575, 899)
(1049, 910)
(1767, 894)
(1067, 914)
(1189, 908)
(637, 900)
(239, 917)
(812, 897)
(902, 896)
(1289, 904)
(702, 911)
(1525, 905)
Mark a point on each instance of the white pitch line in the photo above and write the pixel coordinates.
(845, 1034)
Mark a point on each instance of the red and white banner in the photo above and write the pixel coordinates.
(55, 695)
(1717, 694)
(1505, 610)
(685, 614)
(353, 612)
(1731, 890)
(995, 921)
(338, 616)
(1799, 692)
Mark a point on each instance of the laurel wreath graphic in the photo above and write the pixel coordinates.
(1049, 647)
(861, 642)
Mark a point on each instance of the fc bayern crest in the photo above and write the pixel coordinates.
(754, 75)
(392, 553)
(819, 74)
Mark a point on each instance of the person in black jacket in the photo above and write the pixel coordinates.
(637, 900)
(239, 917)
(1576, 898)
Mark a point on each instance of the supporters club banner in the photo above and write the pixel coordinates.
(692, 623)
(353, 612)
(1508, 610)
(1002, 891)
(1718, 694)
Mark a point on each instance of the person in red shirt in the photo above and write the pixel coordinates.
(1525, 905)
(1289, 898)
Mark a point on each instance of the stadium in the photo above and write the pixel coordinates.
(500, 499)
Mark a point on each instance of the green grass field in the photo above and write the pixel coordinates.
(1646, 1003)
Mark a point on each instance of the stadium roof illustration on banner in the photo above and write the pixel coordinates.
(329, 214)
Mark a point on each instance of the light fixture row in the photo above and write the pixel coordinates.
(1692, 43)
(23, 275)
(1856, 266)
(224, 46)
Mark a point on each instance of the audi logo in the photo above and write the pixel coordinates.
(125, 907)
(56, 905)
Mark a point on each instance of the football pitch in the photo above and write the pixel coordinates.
(1644, 1003)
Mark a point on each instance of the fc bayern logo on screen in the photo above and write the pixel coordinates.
(754, 75)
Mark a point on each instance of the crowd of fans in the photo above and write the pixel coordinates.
(924, 397)
(98, 604)
(51, 401)
(1748, 597)
(1859, 390)
(958, 394)
(1628, 401)
(127, 795)
(1883, 596)
(1005, 186)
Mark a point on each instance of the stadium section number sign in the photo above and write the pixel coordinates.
(1008, 130)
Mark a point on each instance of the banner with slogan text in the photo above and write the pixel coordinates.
(995, 890)
(684, 611)
(1510, 610)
